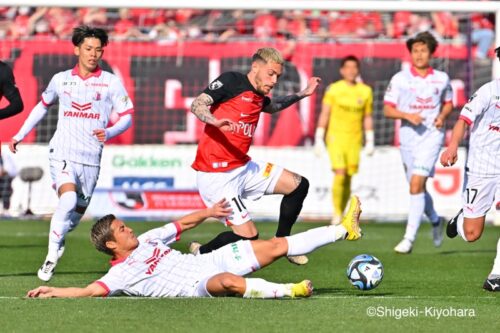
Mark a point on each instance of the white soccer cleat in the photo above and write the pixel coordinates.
(47, 270)
(298, 260)
(404, 247)
(194, 248)
(438, 232)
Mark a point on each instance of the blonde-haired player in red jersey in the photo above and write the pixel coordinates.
(86, 95)
(230, 107)
(482, 184)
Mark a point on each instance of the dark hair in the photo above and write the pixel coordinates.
(101, 233)
(497, 52)
(423, 37)
(84, 31)
(349, 58)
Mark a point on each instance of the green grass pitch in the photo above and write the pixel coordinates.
(428, 290)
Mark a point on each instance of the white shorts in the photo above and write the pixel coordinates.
(236, 258)
(479, 195)
(83, 176)
(420, 159)
(250, 181)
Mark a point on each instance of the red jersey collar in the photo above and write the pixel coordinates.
(96, 73)
(116, 261)
(414, 72)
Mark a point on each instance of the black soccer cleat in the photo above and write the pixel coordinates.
(492, 284)
(451, 227)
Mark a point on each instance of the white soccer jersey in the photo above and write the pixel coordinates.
(482, 113)
(85, 104)
(156, 270)
(411, 93)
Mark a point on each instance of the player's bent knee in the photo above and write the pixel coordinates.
(278, 246)
(472, 235)
(231, 283)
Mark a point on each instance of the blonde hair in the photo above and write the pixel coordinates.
(268, 54)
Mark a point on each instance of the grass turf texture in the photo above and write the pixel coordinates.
(423, 283)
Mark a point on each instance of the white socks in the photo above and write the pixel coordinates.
(429, 209)
(311, 239)
(460, 226)
(417, 206)
(260, 288)
(75, 220)
(495, 271)
(60, 223)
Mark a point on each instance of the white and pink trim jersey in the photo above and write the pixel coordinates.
(154, 269)
(85, 104)
(482, 113)
(412, 93)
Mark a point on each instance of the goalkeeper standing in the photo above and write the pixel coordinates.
(346, 113)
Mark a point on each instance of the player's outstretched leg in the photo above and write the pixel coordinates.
(268, 251)
(59, 226)
(230, 284)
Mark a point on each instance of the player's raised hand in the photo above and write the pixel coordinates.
(226, 125)
(221, 209)
(100, 134)
(449, 157)
(415, 118)
(312, 84)
(13, 145)
(41, 292)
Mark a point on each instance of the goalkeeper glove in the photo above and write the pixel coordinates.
(319, 142)
(369, 142)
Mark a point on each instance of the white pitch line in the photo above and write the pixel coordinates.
(359, 297)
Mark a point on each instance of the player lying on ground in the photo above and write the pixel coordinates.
(147, 266)
(483, 168)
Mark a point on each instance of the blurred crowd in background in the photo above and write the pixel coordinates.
(166, 26)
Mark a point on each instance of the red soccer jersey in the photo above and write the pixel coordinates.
(234, 98)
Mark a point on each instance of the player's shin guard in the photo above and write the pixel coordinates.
(290, 208)
(222, 239)
(260, 288)
(60, 223)
(308, 241)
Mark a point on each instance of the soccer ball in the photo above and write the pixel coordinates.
(365, 272)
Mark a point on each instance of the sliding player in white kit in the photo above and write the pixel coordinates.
(147, 266)
(87, 95)
(482, 114)
(421, 97)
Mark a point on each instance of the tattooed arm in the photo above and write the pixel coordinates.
(282, 102)
(201, 109)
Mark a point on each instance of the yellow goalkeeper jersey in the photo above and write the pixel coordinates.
(348, 106)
